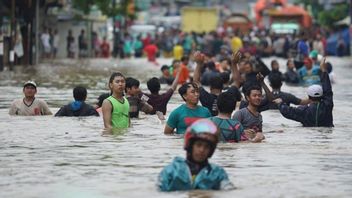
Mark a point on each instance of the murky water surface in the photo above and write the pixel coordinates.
(72, 157)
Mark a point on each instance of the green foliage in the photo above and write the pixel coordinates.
(324, 17)
(328, 18)
(106, 7)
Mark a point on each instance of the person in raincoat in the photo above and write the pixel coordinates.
(195, 172)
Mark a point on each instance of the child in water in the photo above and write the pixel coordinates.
(116, 107)
(195, 172)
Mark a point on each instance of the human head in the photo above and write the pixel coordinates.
(117, 82)
(308, 63)
(176, 63)
(315, 92)
(247, 67)
(275, 81)
(185, 60)
(254, 95)
(202, 130)
(80, 93)
(225, 76)
(165, 70)
(29, 89)
(274, 65)
(189, 93)
(132, 86)
(226, 102)
(216, 83)
(153, 85)
(290, 63)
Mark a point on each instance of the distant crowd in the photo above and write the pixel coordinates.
(173, 43)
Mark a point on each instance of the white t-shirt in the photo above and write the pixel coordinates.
(38, 107)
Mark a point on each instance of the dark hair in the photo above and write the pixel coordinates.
(153, 85)
(164, 67)
(226, 102)
(216, 82)
(210, 65)
(184, 58)
(253, 87)
(183, 89)
(225, 76)
(130, 82)
(275, 80)
(101, 99)
(80, 93)
(115, 74)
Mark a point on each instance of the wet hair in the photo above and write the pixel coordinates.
(153, 85)
(131, 82)
(216, 83)
(226, 102)
(275, 81)
(164, 67)
(80, 93)
(253, 87)
(225, 76)
(101, 99)
(114, 75)
(183, 89)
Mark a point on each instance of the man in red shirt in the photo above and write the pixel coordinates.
(105, 48)
(151, 51)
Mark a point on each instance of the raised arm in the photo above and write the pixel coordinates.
(326, 84)
(199, 59)
(175, 82)
(236, 76)
(268, 93)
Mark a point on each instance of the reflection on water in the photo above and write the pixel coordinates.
(73, 157)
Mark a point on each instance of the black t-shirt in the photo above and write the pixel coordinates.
(209, 101)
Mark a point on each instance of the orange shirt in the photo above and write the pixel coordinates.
(184, 75)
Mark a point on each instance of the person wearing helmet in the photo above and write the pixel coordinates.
(195, 172)
(319, 112)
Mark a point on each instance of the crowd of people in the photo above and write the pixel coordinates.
(174, 43)
(205, 117)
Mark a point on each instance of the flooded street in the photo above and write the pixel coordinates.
(72, 157)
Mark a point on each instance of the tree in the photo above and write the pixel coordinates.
(324, 17)
(124, 8)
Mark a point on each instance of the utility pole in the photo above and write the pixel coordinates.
(350, 30)
(36, 31)
(12, 35)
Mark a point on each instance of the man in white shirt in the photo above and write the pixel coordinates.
(29, 105)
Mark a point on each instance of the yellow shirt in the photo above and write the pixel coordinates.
(178, 52)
